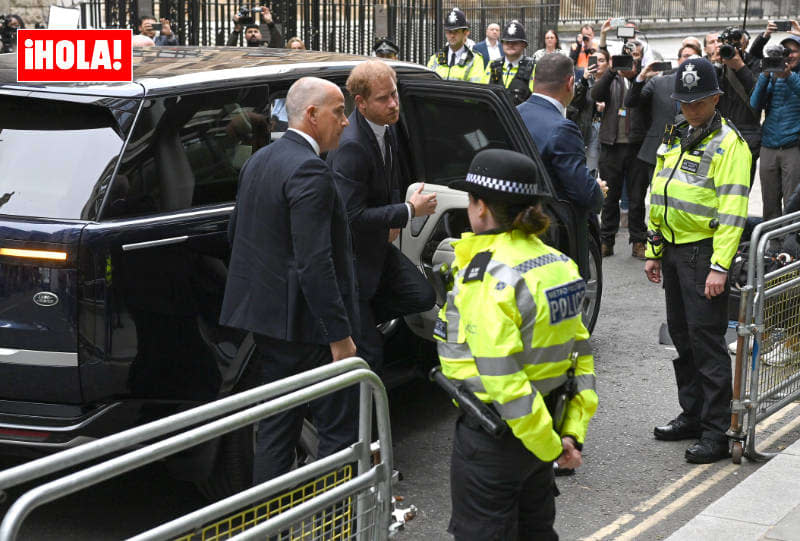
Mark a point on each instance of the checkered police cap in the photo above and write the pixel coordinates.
(502, 175)
(500, 185)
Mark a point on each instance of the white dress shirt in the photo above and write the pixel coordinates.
(311, 140)
(559, 106)
(494, 51)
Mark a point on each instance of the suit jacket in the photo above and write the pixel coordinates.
(654, 96)
(483, 50)
(561, 146)
(372, 194)
(291, 274)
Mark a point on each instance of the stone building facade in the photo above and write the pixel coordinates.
(32, 11)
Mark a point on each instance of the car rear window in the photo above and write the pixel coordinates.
(52, 155)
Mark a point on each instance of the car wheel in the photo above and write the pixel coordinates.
(594, 285)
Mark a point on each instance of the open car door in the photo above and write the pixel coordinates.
(444, 125)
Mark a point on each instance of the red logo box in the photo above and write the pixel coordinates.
(74, 56)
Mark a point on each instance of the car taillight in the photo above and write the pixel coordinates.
(23, 434)
(34, 254)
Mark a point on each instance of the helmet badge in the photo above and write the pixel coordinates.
(512, 29)
(690, 77)
(452, 18)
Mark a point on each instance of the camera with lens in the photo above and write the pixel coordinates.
(247, 15)
(774, 60)
(731, 40)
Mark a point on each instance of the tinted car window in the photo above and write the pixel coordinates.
(455, 130)
(53, 154)
(187, 151)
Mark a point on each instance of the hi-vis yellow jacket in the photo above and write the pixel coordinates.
(468, 68)
(508, 329)
(706, 196)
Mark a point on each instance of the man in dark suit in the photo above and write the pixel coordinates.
(367, 169)
(291, 279)
(559, 140)
(490, 48)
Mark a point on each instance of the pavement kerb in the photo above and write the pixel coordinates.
(762, 507)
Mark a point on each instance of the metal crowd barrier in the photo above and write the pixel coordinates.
(334, 503)
(767, 368)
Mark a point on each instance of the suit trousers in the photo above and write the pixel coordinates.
(500, 491)
(402, 290)
(620, 167)
(697, 327)
(335, 415)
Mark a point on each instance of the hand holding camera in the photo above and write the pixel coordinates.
(166, 30)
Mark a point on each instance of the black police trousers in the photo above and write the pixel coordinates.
(500, 491)
(697, 327)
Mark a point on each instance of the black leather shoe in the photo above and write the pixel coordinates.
(677, 429)
(707, 451)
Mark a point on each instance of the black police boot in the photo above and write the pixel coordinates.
(677, 429)
(707, 450)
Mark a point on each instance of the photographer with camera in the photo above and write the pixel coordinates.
(252, 31)
(777, 92)
(757, 48)
(9, 24)
(621, 133)
(148, 28)
(736, 82)
(585, 46)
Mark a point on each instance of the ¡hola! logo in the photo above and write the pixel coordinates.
(74, 56)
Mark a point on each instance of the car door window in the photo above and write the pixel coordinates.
(187, 151)
(455, 130)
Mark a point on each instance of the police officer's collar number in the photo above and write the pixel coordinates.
(477, 267)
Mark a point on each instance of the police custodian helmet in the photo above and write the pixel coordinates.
(514, 31)
(455, 20)
(386, 48)
(502, 175)
(695, 80)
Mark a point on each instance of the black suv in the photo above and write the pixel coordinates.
(114, 206)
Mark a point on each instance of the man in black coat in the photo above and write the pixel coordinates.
(291, 279)
(367, 167)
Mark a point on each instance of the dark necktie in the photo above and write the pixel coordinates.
(387, 148)
(452, 58)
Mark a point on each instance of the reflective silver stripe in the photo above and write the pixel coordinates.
(475, 384)
(526, 305)
(679, 204)
(585, 382)
(497, 366)
(665, 172)
(519, 407)
(544, 386)
(692, 208)
(452, 350)
(38, 358)
(730, 219)
(451, 313)
(582, 347)
(531, 356)
(692, 180)
(711, 149)
(732, 189)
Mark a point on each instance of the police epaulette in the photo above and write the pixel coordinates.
(525, 70)
(732, 126)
